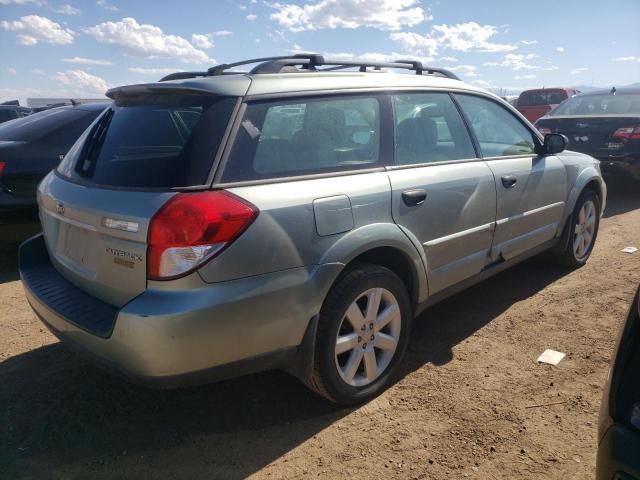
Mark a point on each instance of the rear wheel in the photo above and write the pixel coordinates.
(583, 230)
(362, 335)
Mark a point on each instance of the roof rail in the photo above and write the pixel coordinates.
(311, 62)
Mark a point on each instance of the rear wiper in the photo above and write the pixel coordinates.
(94, 145)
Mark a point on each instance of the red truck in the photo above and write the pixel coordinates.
(533, 104)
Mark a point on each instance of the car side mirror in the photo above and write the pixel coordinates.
(555, 143)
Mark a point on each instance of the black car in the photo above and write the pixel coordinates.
(619, 429)
(604, 124)
(11, 112)
(30, 147)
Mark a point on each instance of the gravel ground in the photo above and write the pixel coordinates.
(467, 404)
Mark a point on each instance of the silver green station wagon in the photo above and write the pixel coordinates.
(298, 216)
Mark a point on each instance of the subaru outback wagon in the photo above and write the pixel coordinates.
(296, 216)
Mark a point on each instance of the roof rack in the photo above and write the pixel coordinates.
(310, 62)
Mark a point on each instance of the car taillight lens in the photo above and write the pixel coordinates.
(2, 165)
(628, 133)
(192, 228)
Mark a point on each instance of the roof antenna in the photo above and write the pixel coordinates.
(74, 102)
(613, 91)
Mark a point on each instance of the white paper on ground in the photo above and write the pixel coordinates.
(551, 357)
(629, 249)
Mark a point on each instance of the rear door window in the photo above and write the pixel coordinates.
(160, 141)
(301, 137)
(429, 129)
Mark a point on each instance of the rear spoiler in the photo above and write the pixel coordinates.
(237, 87)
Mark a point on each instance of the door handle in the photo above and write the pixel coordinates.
(414, 197)
(509, 181)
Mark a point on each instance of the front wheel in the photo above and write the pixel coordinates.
(583, 231)
(362, 335)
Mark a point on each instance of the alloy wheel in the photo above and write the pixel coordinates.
(368, 337)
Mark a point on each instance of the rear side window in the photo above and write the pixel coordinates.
(159, 141)
(541, 98)
(288, 138)
(429, 129)
(498, 131)
(38, 125)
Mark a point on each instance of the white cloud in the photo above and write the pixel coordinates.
(465, 70)
(33, 29)
(37, 71)
(367, 57)
(87, 61)
(462, 37)
(146, 41)
(416, 44)
(560, 49)
(82, 82)
(21, 2)
(11, 70)
(528, 42)
(154, 71)
(67, 9)
(470, 37)
(107, 6)
(222, 33)
(626, 59)
(551, 68)
(482, 83)
(579, 70)
(380, 14)
(447, 59)
(202, 40)
(251, 17)
(524, 77)
(515, 61)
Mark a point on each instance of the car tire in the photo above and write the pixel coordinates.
(362, 334)
(583, 230)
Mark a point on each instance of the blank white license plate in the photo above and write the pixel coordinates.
(75, 244)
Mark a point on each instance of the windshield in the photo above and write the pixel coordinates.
(163, 141)
(605, 104)
(541, 97)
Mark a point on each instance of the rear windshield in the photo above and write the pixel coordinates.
(605, 104)
(539, 98)
(28, 129)
(159, 141)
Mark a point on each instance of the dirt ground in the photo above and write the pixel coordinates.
(466, 406)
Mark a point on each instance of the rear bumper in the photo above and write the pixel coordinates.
(17, 210)
(628, 166)
(618, 453)
(175, 337)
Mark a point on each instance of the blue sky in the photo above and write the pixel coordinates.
(80, 48)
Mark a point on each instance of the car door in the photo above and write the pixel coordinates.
(531, 188)
(443, 196)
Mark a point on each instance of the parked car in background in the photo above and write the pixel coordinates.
(295, 216)
(604, 124)
(619, 427)
(30, 147)
(533, 104)
(11, 112)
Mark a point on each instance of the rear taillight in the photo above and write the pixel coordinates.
(627, 133)
(2, 165)
(192, 228)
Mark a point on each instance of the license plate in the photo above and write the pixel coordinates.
(75, 244)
